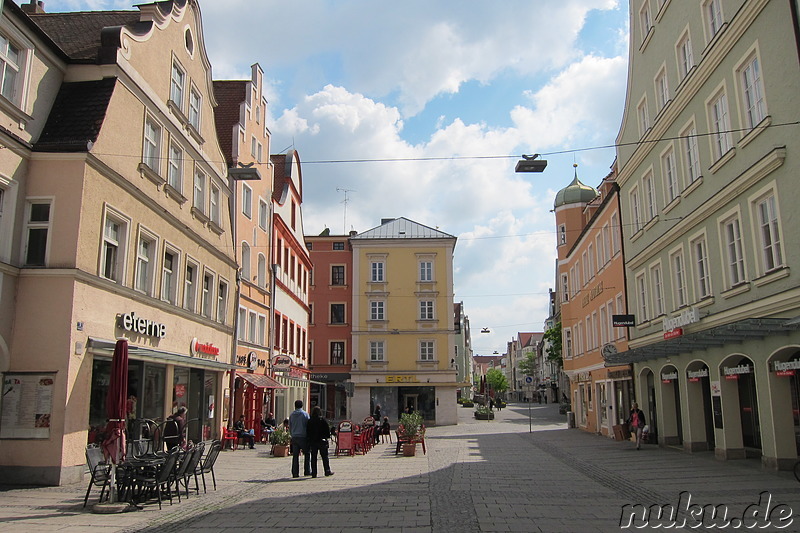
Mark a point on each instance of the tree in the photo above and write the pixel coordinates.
(496, 380)
(553, 336)
(528, 365)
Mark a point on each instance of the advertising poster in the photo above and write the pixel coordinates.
(26, 406)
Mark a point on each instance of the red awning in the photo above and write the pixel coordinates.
(261, 381)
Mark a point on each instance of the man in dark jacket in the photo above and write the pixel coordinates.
(318, 433)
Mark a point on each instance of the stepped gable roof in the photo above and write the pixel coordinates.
(402, 228)
(229, 94)
(77, 116)
(575, 193)
(79, 33)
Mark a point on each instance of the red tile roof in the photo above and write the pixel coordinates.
(229, 94)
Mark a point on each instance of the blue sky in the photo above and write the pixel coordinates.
(359, 79)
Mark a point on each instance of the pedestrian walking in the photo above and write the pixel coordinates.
(319, 432)
(637, 422)
(298, 429)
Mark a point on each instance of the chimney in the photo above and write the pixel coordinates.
(353, 233)
(36, 6)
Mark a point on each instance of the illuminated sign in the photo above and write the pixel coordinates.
(204, 351)
(142, 326)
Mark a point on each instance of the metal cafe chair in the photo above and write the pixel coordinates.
(99, 471)
(207, 465)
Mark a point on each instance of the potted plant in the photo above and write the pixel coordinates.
(482, 412)
(280, 439)
(467, 402)
(411, 432)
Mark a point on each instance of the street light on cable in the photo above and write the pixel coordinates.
(530, 163)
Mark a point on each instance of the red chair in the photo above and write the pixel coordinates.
(231, 437)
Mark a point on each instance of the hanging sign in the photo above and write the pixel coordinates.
(669, 377)
(732, 373)
(281, 362)
(695, 375)
(786, 369)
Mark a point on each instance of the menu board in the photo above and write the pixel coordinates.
(26, 406)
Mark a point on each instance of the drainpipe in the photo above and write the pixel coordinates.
(235, 336)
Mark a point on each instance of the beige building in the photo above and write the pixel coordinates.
(708, 184)
(403, 334)
(115, 189)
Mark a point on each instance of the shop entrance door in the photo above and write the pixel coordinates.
(708, 411)
(652, 420)
(751, 430)
(410, 400)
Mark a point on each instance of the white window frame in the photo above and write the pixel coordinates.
(426, 270)
(261, 271)
(636, 209)
(649, 186)
(377, 272)
(199, 195)
(719, 124)
(643, 116)
(713, 16)
(616, 231)
(144, 274)
(733, 250)
(151, 144)
(377, 351)
(262, 330)
(195, 108)
(427, 350)
(242, 324)
(263, 214)
(642, 297)
(767, 231)
(207, 294)
(684, 55)
(175, 167)
(247, 260)
(672, 187)
(662, 88)
(562, 234)
(680, 289)
(190, 285)
(170, 276)
(701, 270)
(222, 299)
(214, 205)
(645, 20)
(377, 310)
(752, 96)
(8, 64)
(177, 84)
(247, 201)
(252, 327)
(564, 287)
(427, 310)
(691, 153)
(657, 284)
(119, 244)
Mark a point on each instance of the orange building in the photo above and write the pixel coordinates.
(591, 289)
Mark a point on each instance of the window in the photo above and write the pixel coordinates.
(175, 170)
(252, 325)
(222, 302)
(151, 155)
(607, 243)
(337, 313)
(713, 15)
(685, 57)
(662, 89)
(199, 190)
(208, 289)
(376, 351)
(657, 283)
(261, 275)
(246, 260)
(562, 234)
(253, 143)
(568, 343)
(263, 215)
(426, 351)
(113, 248)
(720, 125)
(377, 271)
(242, 324)
(732, 238)
(701, 272)
(10, 59)
(645, 20)
(338, 245)
(426, 271)
(195, 101)
(603, 326)
(247, 201)
(769, 233)
(752, 92)
(564, 288)
(649, 196)
(144, 264)
(671, 187)
(644, 117)
(641, 294)
(337, 275)
(585, 271)
(426, 310)
(590, 253)
(615, 233)
(190, 287)
(376, 311)
(260, 153)
(169, 276)
(337, 352)
(177, 84)
(679, 279)
(262, 330)
(636, 210)
(691, 155)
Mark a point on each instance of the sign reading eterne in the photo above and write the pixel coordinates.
(622, 321)
(142, 326)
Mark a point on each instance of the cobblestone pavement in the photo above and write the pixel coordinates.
(478, 476)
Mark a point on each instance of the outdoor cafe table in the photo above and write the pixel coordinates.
(143, 465)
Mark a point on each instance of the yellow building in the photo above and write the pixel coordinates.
(403, 335)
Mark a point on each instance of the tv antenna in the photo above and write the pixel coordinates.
(345, 191)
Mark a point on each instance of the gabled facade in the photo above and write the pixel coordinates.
(707, 176)
(403, 334)
(123, 230)
(330, 328)
(292, 277)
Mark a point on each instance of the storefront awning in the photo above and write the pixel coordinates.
(106, 348)
(735, 332)
(261, 381)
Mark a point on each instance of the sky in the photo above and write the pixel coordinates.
(442, 98)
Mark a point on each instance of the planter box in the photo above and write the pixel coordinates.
(280, 450)
(484, 416)
(410, 449)
(467, 404)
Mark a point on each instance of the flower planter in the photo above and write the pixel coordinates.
(467, 404)
(410, 449)
(280, 450)
(484, 416)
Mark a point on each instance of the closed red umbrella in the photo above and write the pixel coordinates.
(116, 404)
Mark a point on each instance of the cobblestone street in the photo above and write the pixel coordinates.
(480, 476)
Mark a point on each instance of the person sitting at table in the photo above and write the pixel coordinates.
(268, 425)
(385, 429)
(175, 429)
(244, 433)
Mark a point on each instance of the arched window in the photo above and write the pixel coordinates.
(262, 271)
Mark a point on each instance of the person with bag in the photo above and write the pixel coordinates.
(637, 422)
(318, 432)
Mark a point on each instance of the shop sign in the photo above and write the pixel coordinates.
(594, 293)
(786, 369)
(142, 326)
(584, 376)
(673, 333)
(732, 373)
(252, 361)
(619, 374)
(623, 321)
(203, 350)
(330, 376)
(695, 375)
(669, 377)
(688, 316)
(281, 362)
(295, 372)
(402, 379)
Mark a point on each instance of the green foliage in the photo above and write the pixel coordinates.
(412, 424)
(280, 436)
(553, 335)
(528, 365)
(496, 380)
(482, 410)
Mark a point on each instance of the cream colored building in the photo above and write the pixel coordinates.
(119, 203)
(403, 333)
(708, 169)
